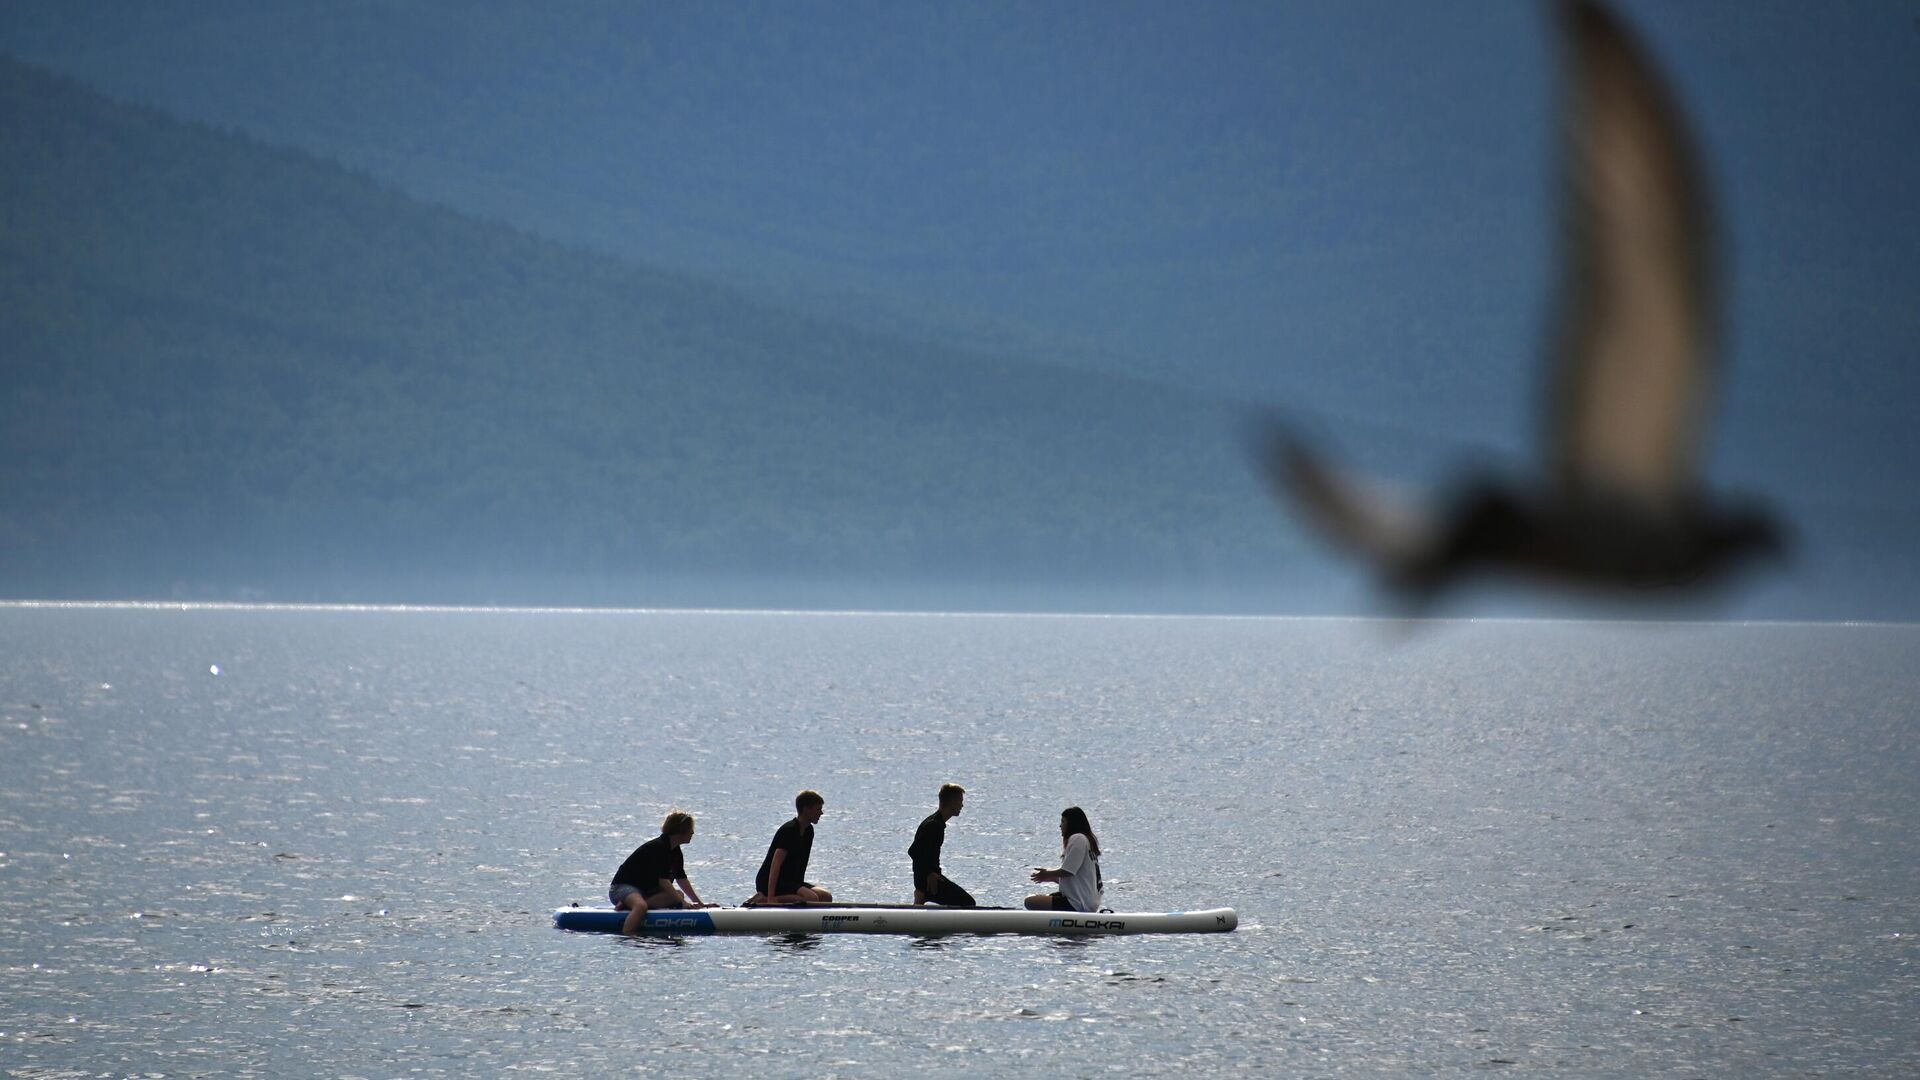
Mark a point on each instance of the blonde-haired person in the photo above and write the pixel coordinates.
(646, 880)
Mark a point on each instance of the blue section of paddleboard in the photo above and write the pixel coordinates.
(600, 921)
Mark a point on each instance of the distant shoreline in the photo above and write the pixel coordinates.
(511, 609)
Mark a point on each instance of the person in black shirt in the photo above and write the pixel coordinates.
(782, 876)
(929, 884)
(646, 880)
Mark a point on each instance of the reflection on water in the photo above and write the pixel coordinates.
(652, 941)
(1600, 850)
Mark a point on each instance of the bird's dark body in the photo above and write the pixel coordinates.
(1592, 542)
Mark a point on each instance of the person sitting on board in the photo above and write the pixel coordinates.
(929, 884)
(1079, 871)
(646, 879)
(782, 876)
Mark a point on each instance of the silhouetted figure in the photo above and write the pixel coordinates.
(1620, 506)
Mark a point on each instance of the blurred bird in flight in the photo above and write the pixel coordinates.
(1620, 507)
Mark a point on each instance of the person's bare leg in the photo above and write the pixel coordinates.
(636, 913)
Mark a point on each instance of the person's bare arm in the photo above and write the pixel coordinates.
(773, 874)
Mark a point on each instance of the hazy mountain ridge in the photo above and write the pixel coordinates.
(1346, 209)
(1111, 171)
(236, 363)
(1343, 212)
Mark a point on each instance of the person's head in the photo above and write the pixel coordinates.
(808, 805)
(1074, 820)
(678, 826)
(952, 798)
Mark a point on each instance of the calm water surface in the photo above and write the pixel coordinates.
(1595, 850)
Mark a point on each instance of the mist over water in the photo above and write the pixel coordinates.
(1602, 849)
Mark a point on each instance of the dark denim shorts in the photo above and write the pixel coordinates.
(617, 893)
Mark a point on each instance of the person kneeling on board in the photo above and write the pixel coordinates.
(646, 879)
(782, 876)
(1079, 871)
(929, 884)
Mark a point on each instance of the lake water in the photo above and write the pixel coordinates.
(1593, 849)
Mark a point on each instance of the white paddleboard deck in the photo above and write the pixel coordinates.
(899, 919)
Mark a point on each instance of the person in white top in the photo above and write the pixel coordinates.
(1079, 871)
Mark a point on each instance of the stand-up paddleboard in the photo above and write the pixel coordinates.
(898, 919)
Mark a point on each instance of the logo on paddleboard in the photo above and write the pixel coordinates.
(1088, 924)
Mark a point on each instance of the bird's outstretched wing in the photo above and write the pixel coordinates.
(1389, 529)
(1635, 349)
